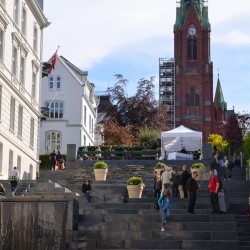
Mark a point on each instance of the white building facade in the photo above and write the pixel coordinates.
(72, 105)
(21, 31)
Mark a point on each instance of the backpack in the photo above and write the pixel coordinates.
(220, 184)
(231, 164)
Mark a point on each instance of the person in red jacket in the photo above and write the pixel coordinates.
(214, 189)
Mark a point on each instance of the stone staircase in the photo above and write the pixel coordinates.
(113, 221)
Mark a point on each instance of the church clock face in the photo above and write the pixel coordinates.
(192, 31)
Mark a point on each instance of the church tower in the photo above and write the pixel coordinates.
(194, 106)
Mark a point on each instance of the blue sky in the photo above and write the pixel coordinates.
(106, 37)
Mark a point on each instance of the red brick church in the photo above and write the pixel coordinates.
(194, 105)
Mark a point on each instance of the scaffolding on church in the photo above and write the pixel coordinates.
(167, 87)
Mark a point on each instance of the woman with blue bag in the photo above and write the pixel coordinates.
(165, 204)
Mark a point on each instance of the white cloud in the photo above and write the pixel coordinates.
(93, 33)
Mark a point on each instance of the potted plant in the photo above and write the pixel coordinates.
(159, 167)
(100, 170)
(135, 187)
(199, 168)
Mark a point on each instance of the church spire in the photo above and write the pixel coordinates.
(219, 101)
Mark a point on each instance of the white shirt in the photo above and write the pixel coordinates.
(165, 177)
(14, 172)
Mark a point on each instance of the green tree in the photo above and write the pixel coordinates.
(148, 137)
(246, 146)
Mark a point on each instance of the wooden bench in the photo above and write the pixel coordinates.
(150, 154)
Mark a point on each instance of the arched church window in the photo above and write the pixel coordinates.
(192, 96)
(197, 99)
(192, 48)
(187, 100)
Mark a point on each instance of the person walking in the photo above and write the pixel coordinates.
(59, 161)
(227, 169)
(165, 179)
(14, 177)
(214, 188)
(86, 188)
(175, 183)
(165, 204)
(52, 158)
(192, 187)
(184, 178)
(157, 189)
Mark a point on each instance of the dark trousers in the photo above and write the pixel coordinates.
(215, 202)
(13, 185)
(175, 190)
(192, 200)
(157, 193)
(185, 191)
(87, 196)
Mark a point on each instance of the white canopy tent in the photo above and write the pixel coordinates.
(174, 140)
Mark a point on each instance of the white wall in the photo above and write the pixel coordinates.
(21, 92)
(75, 94)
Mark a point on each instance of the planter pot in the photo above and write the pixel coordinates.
(135, 191)
(158, 170)
(200, 173)
(100, 174)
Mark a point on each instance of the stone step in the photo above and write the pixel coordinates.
(140, 211)
(155, 235)
(156, 217)
(171, 226)
(159, 244)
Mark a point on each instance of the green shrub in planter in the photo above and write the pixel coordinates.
(100, 165)
(135, 181)
(198, 165)
(160, 165)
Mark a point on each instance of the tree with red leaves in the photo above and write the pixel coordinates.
(138, 111)
(235, 129)
(115, 134)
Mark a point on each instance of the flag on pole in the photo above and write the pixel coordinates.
(49, 67)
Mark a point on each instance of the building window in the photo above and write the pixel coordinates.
(35, 39)
(90, 124)
(53, 141)
(32, 130)
(24, 21)
(1, 96)
(197, 99)
(22, 70)
(85, 117)
(16, 12)
(51, 82)
(12, 113)
(192, 48)
(187, 100)
(192, 96)
(20, 121)
(14, 61)
(58, 82)
(55, 109)
(33, 91)
(1, 44)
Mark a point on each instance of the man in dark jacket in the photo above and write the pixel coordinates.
(192, 187)
(86, 188)
(184, 178)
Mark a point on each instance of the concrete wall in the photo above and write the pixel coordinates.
(34, 224)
